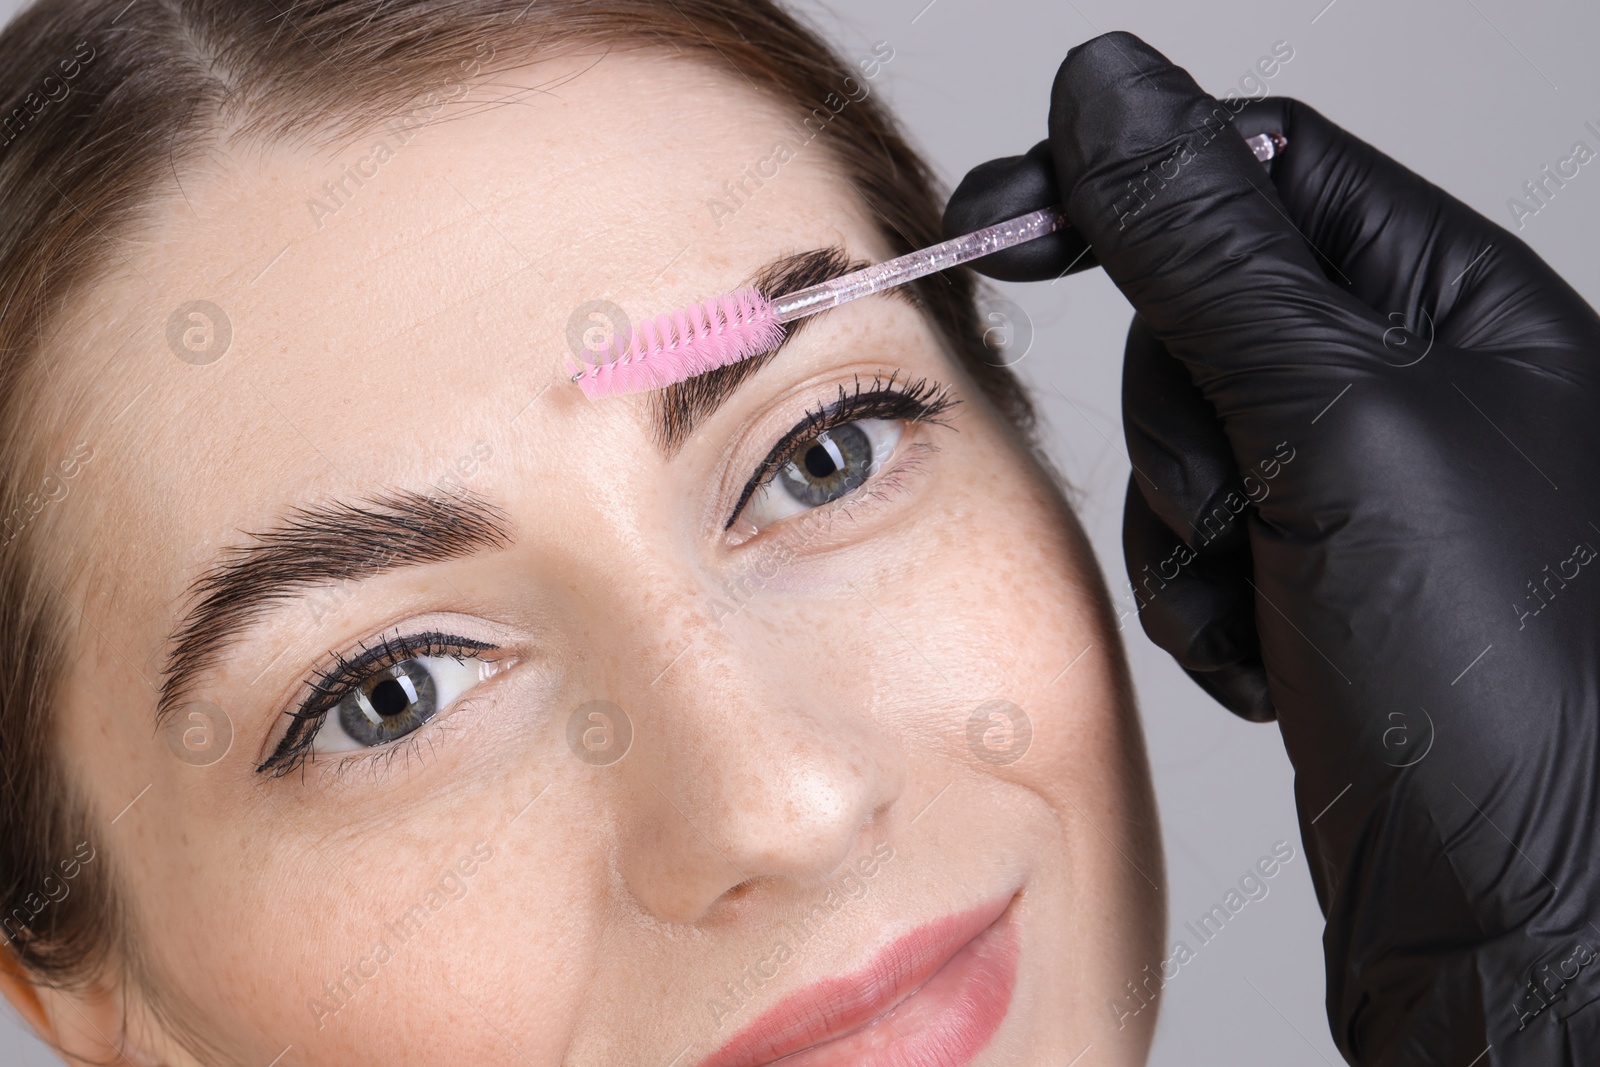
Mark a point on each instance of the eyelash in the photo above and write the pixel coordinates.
(919, 400)
(331, 686)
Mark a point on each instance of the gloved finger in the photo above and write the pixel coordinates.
(1198, 607)
(1188, 225)
(1188, 606)
(1407, 248)
(1184, 526)
(1241, 688)
(1182, 461)
(1002, 189)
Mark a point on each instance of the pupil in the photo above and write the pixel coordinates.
(833, 464)
(818, 462)
(389, 698)
(390, 704)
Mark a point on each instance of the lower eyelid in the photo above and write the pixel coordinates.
(456, 675)
(489, 664)
(381, 757)
(906, 462)
(908, 400)
(890, 433)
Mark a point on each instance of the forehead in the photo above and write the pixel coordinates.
(293, 324)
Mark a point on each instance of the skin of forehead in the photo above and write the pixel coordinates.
(483, 233)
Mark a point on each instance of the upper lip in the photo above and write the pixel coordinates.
(833, 1007)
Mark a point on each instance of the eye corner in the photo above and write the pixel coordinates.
(374, 662)
(882, 405)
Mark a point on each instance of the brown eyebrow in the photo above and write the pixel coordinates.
(332, 542)
(681, 406)
(348, 542)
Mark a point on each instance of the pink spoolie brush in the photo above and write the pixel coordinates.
(689, 341)
(726, 329)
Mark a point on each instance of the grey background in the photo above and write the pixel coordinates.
(1476, 95)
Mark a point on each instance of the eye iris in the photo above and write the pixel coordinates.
(391, 704)
(833, 463)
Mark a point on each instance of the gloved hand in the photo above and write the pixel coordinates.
(1365, 428)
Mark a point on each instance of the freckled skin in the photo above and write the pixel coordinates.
(827, 716)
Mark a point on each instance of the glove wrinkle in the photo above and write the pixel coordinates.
(1362, 421)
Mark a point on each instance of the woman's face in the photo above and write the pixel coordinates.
(623, 785)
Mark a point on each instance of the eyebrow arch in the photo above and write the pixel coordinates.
(327, 543)
(682, 405)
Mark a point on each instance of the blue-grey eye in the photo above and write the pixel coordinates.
(824, 468)
(395, 700)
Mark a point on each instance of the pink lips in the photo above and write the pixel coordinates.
(931, 998)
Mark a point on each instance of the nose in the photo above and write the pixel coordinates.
(760, 764)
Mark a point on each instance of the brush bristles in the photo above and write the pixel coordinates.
(682, 344)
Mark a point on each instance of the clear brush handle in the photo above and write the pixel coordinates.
(914, 265)
(952, 253)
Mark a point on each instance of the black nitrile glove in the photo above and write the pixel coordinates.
(1365, 427)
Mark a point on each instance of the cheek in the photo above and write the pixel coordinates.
(367, 952)
(1004, 671)
(1034, 612)
(985, 626)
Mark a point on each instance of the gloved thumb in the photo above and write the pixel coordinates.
(1187, 223)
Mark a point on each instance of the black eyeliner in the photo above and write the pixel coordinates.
(329, 687)
(919, 400)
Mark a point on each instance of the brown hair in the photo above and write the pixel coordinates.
(103, 103)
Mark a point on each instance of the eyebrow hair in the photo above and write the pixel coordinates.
(346, 542)
(326, 543)
(682, 405)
